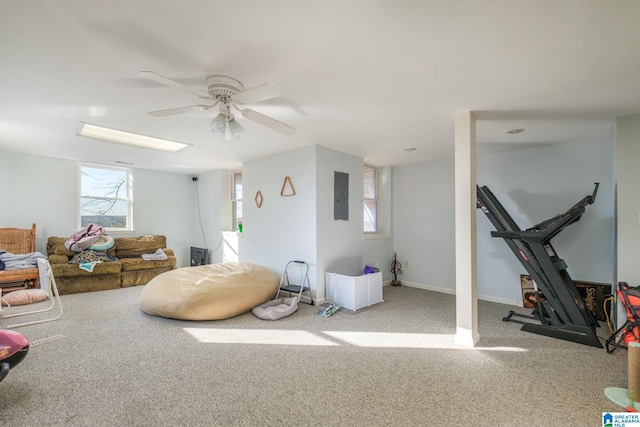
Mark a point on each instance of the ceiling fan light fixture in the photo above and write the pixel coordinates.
(235, 128)
(219, 124)
(225, 91)
(227, 134)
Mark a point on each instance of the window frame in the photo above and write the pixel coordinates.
(128, 198)
(375, 200)
(235, 200)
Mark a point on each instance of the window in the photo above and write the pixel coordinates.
(236, 200)
(371, 200)
(105, 197)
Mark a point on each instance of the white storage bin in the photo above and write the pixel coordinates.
(354, 292)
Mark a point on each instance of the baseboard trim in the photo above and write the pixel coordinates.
(453, 292)
(500, 300)
(440, 289)
(429, 287)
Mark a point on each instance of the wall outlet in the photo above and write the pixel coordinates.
(406, 264)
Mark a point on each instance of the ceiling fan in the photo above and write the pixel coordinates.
(225, 92)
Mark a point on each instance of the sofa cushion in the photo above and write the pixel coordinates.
(76, 284)
(127, 247)
(58, 259)
(141, 277)
(137, 263)
(55, 245)
(73, 270)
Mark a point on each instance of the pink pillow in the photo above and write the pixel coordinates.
(24, 296)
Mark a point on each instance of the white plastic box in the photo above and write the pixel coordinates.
(354, 292)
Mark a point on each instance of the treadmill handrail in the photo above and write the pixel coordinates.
(553, 226)
(507, 234)
(550, 227)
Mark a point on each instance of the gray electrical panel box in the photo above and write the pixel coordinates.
(340, 196)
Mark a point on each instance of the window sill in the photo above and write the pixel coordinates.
(375, 236)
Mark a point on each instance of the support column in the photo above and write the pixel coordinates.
(465, 200)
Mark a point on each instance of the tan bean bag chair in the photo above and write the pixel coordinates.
(209, 292)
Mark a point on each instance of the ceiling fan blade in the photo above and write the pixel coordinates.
(259, 93)
(268, 122)
(179, 110)
(174, 84)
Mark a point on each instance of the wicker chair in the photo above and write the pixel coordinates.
(18, 241)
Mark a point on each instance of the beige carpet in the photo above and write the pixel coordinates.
(106, 363)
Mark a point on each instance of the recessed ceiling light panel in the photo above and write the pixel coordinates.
(128, 138)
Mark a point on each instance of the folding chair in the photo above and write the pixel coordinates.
(48, 285)
(630, 331)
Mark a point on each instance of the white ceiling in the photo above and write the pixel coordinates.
(364, 77)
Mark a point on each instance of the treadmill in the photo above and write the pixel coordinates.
(562, 313)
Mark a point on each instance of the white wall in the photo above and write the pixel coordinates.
(302, 227)
(284, 227)
(164, 203)
(423, 224)
(533, 185)
(44, 190)
(340, 246)
(41, 190)
(379, 253)
(212, 212)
